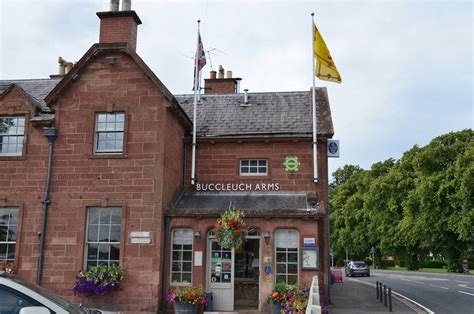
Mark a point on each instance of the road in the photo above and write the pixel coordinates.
(441, 293)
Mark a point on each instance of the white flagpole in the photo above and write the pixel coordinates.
(197, 87)
(315, 138)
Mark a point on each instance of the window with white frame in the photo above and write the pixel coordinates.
(253, 167)
(8, 228)
(109, 132)
(182, 257)
(12, 135)
(286, 256)
(103, 236)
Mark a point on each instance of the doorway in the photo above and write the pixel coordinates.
(247, 273)
(233, 275)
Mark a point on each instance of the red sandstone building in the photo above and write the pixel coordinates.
(119, 145)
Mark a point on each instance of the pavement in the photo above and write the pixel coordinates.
(356, 297)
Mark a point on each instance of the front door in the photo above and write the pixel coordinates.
(220, 276)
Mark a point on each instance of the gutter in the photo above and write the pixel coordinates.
(166, 227)
(51, 134)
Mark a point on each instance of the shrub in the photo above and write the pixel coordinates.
(388, 263)
(401, 263)
(432, 264)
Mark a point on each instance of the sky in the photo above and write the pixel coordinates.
(407, 66)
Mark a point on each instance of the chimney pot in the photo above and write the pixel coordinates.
(126, 5)
(221, 72)
(62, 66)
(213, 75)
(69, 66)
(246, 96)
(114, 5)
(229, 74)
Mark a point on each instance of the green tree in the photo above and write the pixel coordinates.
(419, 204)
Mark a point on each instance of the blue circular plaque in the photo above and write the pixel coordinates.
(268, 269)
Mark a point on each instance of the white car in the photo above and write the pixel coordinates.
(20, 297)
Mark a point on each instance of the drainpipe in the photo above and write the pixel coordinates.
(166, 226)
(51, 134)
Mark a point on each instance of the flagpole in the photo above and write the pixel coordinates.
(197, 87)
(315, 138)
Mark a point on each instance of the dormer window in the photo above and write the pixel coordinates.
(253, 167)
(109, 133)
(12, 135)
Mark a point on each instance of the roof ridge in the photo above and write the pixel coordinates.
(25, 80)
(235, 94)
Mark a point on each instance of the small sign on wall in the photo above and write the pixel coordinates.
(333, 148)
(140, 237)
(141, 240)
(198, 258)
(309, 242)
(140, 234)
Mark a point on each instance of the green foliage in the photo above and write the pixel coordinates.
(229, 228)
(421, 203)
(432, 264)
(388, 263)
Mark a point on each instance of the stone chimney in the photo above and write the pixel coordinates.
(221, 85)
(119, 26)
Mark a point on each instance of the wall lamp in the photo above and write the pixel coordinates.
(197, 236)
(266, 236)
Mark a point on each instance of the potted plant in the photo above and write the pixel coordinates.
(277, 297)
(98, 280)
(229, 229)
(288, 299)
(8, 267)
(186, 299)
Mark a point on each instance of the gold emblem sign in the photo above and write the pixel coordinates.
(292, 164)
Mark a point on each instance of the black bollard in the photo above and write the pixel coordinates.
(380, 292)
(385, 295)
(377, 288)
(389, 299)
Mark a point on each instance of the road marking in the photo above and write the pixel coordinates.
(419, 282)
(405, 279)
(439, 287)
(465, 287)
(414, 302)
(461, 281)
(427, 310)
(466, 293)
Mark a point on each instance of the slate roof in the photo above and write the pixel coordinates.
(271, 113)
(37, 89)
(250, 200)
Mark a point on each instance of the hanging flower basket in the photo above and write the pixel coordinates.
(230, 229)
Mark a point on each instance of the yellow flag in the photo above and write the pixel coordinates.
(325, 68)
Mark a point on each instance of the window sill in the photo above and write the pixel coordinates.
(108, 156)
(259, 177)
(12, 158)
